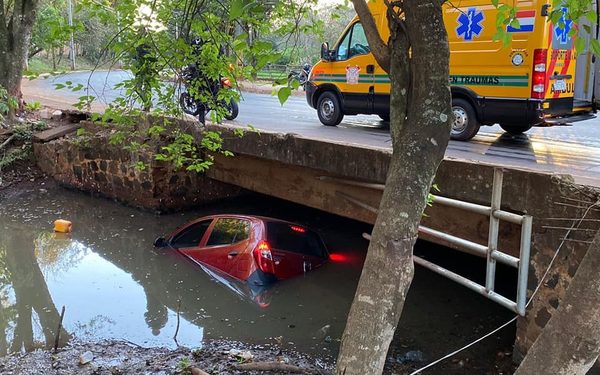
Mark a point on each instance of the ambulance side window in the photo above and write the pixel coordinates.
(354, 43)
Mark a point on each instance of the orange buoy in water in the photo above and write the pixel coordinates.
(62, 226)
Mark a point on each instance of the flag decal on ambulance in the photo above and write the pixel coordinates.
(526, 20)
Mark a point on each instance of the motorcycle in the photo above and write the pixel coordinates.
(195, 107)
(301, 77)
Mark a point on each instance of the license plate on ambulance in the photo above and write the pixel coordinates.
(560, 85)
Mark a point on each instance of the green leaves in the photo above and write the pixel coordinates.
(84, 102)
(283, 94)
(236, 9)
(595, 45)
(515, 23)
(69, 85)
(4, 103)
(580, 45)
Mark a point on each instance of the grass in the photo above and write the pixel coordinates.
(40, 65)
(271, 75)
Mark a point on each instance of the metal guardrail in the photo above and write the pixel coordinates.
(490, 252)
(277, 71)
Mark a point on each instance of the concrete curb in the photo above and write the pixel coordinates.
(257, 88)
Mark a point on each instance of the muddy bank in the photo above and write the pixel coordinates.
(117, 357)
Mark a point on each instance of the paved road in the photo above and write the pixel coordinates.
(572, 149)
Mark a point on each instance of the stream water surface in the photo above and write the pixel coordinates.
(115, 285)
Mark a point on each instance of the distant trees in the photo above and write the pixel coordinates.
(51, 31)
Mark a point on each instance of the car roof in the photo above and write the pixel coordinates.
(247, 217)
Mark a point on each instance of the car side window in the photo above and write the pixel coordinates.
(228, 231)
(190, 236)
(354, 43)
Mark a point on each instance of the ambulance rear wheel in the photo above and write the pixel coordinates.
(329, 109)
(515, 129)
(465, 124)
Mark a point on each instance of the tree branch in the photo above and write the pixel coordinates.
(378, 47)
(35, 52)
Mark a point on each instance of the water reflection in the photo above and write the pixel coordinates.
(114, 284)
(25, 298)
(261, 295)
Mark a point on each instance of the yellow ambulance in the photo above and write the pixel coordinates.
(517, 86)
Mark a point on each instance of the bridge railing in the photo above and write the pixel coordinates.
(273, 72)
(490, 252)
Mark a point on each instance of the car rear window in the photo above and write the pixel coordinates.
(294, 238)
(229, 231)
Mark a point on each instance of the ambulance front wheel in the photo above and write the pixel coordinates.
(329, 109)
(515, 129)
(465, 124)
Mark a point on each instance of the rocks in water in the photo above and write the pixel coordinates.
(412, 356)
(197, 371)
(322, 333)
(57, 115)
(245, 355)
(45, 114)
(86, 358)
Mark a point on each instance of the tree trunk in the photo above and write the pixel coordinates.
(570, 342)
(31, 294)
(420, 128)
(16, 23)
(53, 53)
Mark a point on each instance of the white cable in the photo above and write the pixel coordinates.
(537, 288)
(464, 347)
(530, 299)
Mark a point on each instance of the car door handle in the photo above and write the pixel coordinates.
(233, 254)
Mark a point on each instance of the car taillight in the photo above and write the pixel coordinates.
(225, 82)
(338, 257)
(538, 77)
(264, 258)
(298, 229)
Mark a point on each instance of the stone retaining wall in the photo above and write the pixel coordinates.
(98, 167)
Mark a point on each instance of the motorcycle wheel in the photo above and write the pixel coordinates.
(232, 110)
(188, 104)
(302, 79)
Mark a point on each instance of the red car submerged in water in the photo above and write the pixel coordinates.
(258, 250)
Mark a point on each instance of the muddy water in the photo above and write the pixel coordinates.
(114, 284)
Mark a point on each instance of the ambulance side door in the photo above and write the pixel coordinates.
(353, 70)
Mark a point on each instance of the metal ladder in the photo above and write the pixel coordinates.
(490, 252)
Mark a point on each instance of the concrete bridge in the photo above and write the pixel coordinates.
(345, 179)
